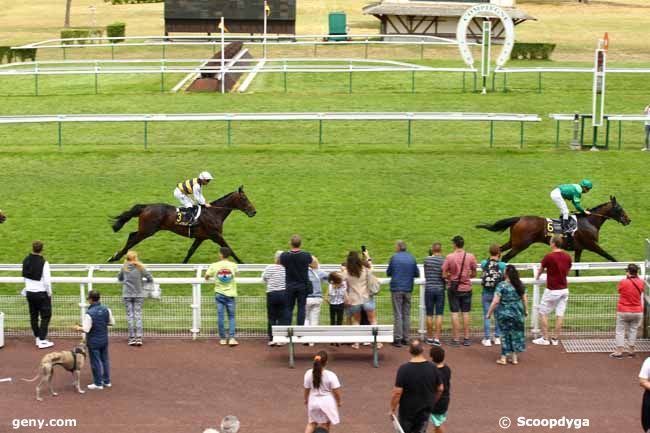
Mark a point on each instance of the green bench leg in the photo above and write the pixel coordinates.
(291, 350)
(375, 351)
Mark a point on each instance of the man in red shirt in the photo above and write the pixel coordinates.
(557, 264)
(459, 268)
(629, 312)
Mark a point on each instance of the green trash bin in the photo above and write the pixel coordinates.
(338, 28)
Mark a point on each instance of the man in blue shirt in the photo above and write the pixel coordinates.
(402, 269)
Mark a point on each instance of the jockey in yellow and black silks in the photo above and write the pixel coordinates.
(189, 193)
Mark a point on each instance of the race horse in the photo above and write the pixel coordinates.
(527, 230)
(155, 217)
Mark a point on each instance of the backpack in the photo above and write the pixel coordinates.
(492, 275)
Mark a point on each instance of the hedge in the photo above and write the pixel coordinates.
(91, 32)
(21, 54)
(116, 30)
(532, 51)
(123, 2)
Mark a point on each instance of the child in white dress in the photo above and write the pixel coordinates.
(322, 395)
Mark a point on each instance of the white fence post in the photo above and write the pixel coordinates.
(196, 306)
(423, 311)
(82, 303)
(534, 320)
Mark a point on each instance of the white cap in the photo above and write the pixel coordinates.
(205, 176)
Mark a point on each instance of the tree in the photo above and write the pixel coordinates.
(66, 22)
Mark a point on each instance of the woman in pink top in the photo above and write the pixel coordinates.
(322, 395)
(629, 313)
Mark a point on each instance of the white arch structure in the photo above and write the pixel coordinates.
(482, 10)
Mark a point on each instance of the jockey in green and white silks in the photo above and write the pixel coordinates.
(572, 192)
(190, 193)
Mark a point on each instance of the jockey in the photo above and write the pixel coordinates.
(189, 192)
(573, 192)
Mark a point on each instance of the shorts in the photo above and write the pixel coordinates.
(462, 303)
(438, 419)
(367, 306)
(554, 300)
(434, 300)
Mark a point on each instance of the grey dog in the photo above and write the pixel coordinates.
(71, 360)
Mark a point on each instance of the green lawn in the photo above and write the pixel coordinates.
(363, 186)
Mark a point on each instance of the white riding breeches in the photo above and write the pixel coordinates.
(183, 198)
(556, 196)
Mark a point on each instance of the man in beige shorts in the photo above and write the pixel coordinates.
(557, 264)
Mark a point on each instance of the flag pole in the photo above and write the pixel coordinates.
(223, 58)
(266, 8)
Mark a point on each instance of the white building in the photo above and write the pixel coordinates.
(438, 17)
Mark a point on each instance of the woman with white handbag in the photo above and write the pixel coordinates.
(132, 275)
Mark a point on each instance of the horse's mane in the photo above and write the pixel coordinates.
(217, 201)
(600, 205)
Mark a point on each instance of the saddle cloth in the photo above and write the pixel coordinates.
(554, 226)
(188, 216)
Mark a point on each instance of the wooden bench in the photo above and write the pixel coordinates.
(372, 334)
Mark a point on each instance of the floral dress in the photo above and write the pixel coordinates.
(510, 316)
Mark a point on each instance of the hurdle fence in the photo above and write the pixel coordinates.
(194, 315)
(609, 119)
(318, 118)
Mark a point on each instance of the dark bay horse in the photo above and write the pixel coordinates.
(527, 230)
(155, 217)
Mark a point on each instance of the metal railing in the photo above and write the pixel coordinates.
(409, 118)
(620, 118)
(194, 316)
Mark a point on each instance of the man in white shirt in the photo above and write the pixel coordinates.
(644, 382)
(38, 289)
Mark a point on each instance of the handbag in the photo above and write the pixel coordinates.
(152, 290)
(374, 286)
(453, 285)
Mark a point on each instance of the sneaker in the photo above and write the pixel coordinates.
(430, 341)
(497, 341)
(541, 341)
(367, 344)
(555, 341)
(108, 385)
(467, 342)
(38, 341)
(131, 342)
(138, 341)
(486, 342)
(311, 344)
(270, 344)
(397, 343)
(644, 149)
(223, 342)
(405, 341)
(436, 342)
(232, 342)
(92, 387)
(454, 343)
(44, 344)
(616, 355)
(283, 344)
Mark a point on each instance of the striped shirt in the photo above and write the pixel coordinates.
(274, 277)
(337, 295)
(433, 273)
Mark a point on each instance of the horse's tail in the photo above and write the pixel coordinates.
(120, 220)
(500, 225)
